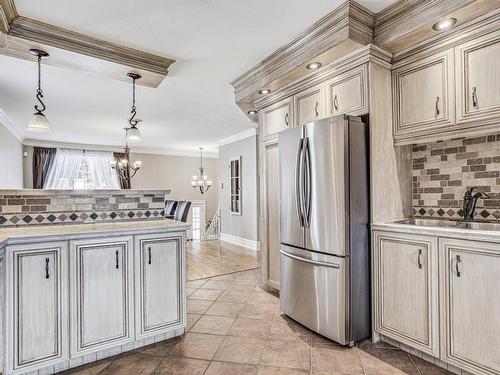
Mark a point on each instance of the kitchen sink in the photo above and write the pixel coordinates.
(451, 224)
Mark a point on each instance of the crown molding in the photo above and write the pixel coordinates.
(8, 13)
(238, 137)
(9, 125)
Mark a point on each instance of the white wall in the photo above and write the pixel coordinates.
(244, 225)
(11, 155)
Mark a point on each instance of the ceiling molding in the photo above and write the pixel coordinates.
(8, 12)
(74, 50)
(238, 137)
(8, 124)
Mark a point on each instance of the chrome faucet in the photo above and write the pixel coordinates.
(470, 200)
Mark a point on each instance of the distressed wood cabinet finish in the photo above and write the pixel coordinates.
(310, 105)
(347, 93)
(160, 265)
(470, 305)
(36, 305)
(477, 72)
(276, 117)
(405, 276)
(423, 96)
(101, 289)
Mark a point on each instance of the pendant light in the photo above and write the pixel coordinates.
(39, 122)
(133, 133)
(201, 182)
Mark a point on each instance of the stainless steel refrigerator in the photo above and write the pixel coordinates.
(324, 218)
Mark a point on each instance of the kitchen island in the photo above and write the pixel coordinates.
(73, 294)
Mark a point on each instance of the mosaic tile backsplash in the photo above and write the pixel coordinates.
(442, 171)
(34, 207)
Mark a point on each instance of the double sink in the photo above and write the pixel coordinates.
(451, 224)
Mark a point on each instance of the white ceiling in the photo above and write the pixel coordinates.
(213, 41)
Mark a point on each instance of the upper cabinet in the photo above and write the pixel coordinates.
(276, 117)
(309, 105)
(477, 72)
(423, 96)
(347, 93)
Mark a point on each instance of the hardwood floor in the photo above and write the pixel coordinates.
(212, 258)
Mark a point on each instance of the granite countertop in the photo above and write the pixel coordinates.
(450, 232)
(62, 232)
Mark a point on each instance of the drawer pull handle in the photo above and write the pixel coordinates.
(316, 109)
(437, 106)
(47, 275)
(474, 97)
(286, 119)
(149, 255)
(117, 259)
(335, 103)
(457, 265)
(420, 258)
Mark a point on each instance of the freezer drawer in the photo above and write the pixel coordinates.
(312, 291)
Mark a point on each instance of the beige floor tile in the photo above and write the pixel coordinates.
(89, 369)
(181, 366)
(265, 370)
(161, 348)
(191, 320)
(263, 312)
(335, 358)
(427, 368)
(293, 354)
(216, 284)
(229, 276)
(225, 309)
(387, 362)
(253, 275)
(367, 346)
(263, 298)
(242, 285)
(212, 324)
(133, 364)
(250, 328)
(206, 294)
(290, 330)
(224, 368)
(197, 345)
(241, 350)
(236, 296)
(190, 291)
(196, 283)
(197, 306)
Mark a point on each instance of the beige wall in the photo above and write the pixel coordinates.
(11, 155)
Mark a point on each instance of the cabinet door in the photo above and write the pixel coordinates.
(309, 105)
(276, 117)
(423, 96)
(406, 289)
(36, 290)
(160, 277)
(347, 93)
(478, 90)
(101, 293)
(470, 305)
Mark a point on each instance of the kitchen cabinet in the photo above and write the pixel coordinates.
(470, 305)
(423, 96)
(347, 93)
(477, 72)
(36, 301)
(101, 290)
(160, 268)
(405, 277)
(276, 117)
(309, 105)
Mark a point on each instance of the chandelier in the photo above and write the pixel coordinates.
(39, 122)
(201, 182)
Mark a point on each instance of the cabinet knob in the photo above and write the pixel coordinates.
(437, 106)
(335, 103)
(474, 97)
(47, 274)
(286, 119)
(149, 255)
(117, 259)
(457, 265)
(316, 109)
(420, 258)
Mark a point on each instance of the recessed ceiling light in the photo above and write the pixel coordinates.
(314, 65)
(264, 91)
(252, 112)
(445, 24)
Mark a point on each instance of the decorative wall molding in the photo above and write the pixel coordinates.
(9, 125)
(243, 242)
(238, 137)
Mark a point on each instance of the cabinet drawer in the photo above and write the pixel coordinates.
(347, 93)
(276, 117)
(478, 87)
(309, 105)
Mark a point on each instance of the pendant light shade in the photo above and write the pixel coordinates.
(39, 122)
(134, 135)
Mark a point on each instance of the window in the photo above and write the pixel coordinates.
(235, 183)
(79, 169)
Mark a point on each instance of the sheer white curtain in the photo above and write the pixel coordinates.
(64, 170)
(99, 166)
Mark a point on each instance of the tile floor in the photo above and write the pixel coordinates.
(236, 328)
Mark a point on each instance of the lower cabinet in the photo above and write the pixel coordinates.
(405, 277)
(159, 265)
(101, 289)
(470, 306)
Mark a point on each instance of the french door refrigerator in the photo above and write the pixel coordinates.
(324, 218)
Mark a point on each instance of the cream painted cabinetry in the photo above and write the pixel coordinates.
(470, 305)
(36, 306)
(101, 290)
(405, 276)
(310, 105)
(477, 72)
(276, 117)
(423, 96)
(347, 93)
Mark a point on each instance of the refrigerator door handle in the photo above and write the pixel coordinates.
(314, 262)
(298, 184)
(308, 187)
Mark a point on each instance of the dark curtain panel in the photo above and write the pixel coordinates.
(124, 183)
(42, 161)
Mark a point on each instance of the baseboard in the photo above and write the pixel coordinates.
(243, 242)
